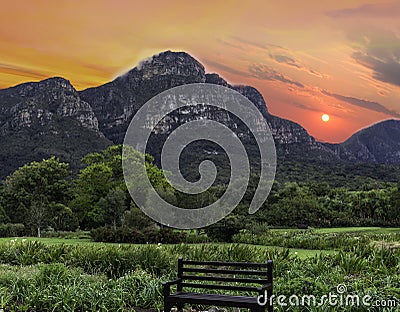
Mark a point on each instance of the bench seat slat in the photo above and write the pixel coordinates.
(224, 279)
(218, 286)
(219, 263)
(218, 271)
(211, 299)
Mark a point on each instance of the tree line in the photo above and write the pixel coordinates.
(47, 196)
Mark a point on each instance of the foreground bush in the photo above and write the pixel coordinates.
(113, 261)
(55, 287)
(99, 277)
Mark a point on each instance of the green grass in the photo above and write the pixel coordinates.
(372, 230)
(51, 241)
(298, 252)
(301, 253)
(85, 276)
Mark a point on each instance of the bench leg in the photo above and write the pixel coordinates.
(269, 305)
(167, 306)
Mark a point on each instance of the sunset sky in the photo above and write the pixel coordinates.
(307, 58)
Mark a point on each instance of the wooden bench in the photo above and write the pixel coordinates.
(211, 275)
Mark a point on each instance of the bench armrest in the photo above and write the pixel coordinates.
(167, 285)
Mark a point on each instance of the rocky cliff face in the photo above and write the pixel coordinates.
(45, 118)
(291, 139)
(116, 102)
(41, 103)
(379, 143)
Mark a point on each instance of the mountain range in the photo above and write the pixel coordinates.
(50, 117)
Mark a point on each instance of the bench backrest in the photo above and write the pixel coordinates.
(217, 275)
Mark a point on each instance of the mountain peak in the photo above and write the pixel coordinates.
(168, 63)
(54, 83)
(53, 112)
(45, 118)
(378, 143)
(168, 57)
(42, 103)
(386, 129)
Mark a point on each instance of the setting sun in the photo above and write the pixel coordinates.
(325, 117)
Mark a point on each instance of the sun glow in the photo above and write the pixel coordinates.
(325, 117)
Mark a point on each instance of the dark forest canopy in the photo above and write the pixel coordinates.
(47, 196)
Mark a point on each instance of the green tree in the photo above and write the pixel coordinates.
(393, 212)
(113, 206)
(3, 216)
(112, 157)
(135, 218)
(31, 189)
(295, 205)
(62, 217)
(38, 214)
(94, 189)
(93, 183)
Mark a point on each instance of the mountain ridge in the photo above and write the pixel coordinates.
(119, 100)
(45, 118)
(377, 143)
(52, 110)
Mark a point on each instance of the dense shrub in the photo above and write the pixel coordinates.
(112, 260)
(165, 236)
(224, 230)
(12, 230)
(55, 287)
(66, 234)
(126, 234)
(196, 239)
(121, 234)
